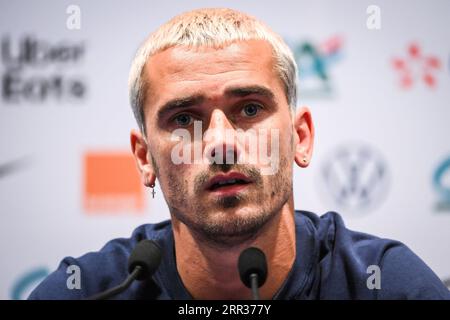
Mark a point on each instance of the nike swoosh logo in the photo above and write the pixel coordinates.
(12, 166)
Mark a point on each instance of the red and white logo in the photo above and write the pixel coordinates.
(417, 67)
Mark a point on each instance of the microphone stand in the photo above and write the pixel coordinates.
(120, 288)
(254, 285)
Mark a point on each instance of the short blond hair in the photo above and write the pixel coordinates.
(213, 28)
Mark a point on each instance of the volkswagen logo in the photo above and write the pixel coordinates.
(354, 177)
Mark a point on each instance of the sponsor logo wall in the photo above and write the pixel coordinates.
(380, 99)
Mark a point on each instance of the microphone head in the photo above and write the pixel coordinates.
(252, 260)
(147, 255)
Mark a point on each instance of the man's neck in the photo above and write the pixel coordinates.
(211, 273)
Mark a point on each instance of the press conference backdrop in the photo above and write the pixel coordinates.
(376, 75)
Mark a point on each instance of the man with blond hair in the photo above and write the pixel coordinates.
(214, 95)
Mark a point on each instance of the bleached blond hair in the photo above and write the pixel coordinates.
(212, 28)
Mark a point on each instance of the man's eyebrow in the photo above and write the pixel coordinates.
(189, 101)
(179, 103)
(249, 90)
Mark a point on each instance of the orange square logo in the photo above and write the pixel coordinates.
(111, 183)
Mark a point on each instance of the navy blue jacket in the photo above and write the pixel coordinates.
(331, 263)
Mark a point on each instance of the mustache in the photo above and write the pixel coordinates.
(250, 171)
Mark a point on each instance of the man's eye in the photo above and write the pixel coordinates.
(251, 109)
(183, 120)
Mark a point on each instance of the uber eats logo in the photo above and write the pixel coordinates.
(34, 70)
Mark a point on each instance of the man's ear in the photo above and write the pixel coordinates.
(141, 154)
(303, 137)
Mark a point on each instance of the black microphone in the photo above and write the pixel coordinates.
(252, 266)
(142, 263)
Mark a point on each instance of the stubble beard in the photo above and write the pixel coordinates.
(233, 220)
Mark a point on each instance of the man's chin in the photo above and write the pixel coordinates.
(233, 226)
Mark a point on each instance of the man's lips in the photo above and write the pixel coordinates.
(225, 181)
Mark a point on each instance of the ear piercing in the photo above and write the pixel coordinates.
(153, 189)
(151, 185)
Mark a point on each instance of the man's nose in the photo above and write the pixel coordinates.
(221, 145)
